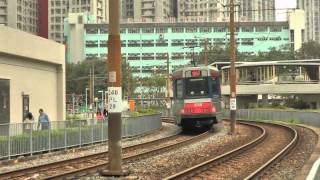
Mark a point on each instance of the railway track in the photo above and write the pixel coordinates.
(93, 163)
(248, 161)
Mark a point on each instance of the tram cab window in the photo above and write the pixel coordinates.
(215, 85)
(179, 89)
(197, 87)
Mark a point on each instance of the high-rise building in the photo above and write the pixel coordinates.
(199, 10)
(212, 10)
(20, 14)
(146, 10)
(256, 10)
(312, 19)
(59, 9)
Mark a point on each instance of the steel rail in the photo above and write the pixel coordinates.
(276, 157)
(197, 169)
(94, 168)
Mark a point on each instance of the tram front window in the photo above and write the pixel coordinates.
(197, 87)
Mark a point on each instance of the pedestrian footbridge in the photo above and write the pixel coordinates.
(273, 79)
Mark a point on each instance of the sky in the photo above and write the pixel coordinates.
(281, 4)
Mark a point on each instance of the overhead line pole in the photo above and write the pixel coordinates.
(233, 94)
(114, 93)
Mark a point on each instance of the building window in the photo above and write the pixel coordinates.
(92, 31)
(177, 30)
(205, 29)
(219, 29)
(103, 43)
(133, 30)
(275, 29)
(191, 30)
(247, 29)
(123, 30)
(103, 31)
(275, 38)
(91, 44)
(161, 30)
(177, 42)
(261, 29)
(147, 30)
(80, 20)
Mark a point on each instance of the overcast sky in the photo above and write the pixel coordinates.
(280, 4)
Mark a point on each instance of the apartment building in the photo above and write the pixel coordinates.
(210, 10)
(146, 10)
(312, 19)
(20, 14)
(59, 9)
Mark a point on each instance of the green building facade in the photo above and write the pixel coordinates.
(145, 46)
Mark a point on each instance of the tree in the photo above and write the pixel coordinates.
(309, 50)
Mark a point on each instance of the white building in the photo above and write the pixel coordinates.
(19, 14)
(32, 76)
(59, 9)
(312, 19)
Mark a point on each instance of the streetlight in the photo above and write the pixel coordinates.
(102, 99)
(87, 99)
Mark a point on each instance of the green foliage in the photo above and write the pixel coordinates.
(73, 117)
(309, 50)
(143, 112)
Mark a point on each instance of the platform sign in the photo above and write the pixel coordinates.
(114, 100)
(233, 104)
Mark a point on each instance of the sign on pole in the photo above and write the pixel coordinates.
(114, 100)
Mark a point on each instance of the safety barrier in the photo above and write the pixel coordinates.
(308, 118)
(28, 139)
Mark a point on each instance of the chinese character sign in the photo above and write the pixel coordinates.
(114, 100)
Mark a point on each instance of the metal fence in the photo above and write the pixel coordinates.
(23, 139)
(309, 118)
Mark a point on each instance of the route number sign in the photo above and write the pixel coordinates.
(114, 100)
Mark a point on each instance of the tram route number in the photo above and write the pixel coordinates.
(114, 99)
(233, 104)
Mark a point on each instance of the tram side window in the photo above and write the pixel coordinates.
(215, 85)
(179, 89)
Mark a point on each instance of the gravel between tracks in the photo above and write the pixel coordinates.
(167, 130)
(294, 161)
(163, 165)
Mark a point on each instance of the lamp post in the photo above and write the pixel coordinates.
(87, 99)
(102, 99)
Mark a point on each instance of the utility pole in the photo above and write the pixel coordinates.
(114, 93)
(233, 95)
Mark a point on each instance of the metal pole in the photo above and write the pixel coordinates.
(114, 93)
(206, 52)
(73, 103)
(86, 100)
(233, 95)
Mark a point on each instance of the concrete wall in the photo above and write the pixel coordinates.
(35, 67)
